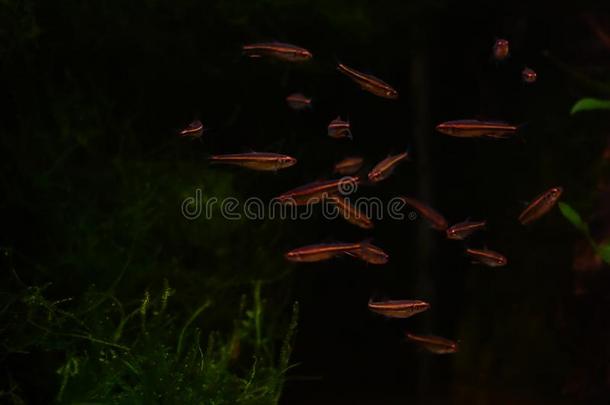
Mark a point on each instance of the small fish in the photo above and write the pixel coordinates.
(476, 128)
(193, 130)
(316, 191)
(369, 83)
(350, 213)
(434, 344)
(385, 168)
(500, 49)
(284, 52)
(398, 308)
(436, 220)
(298, 102)
(320, 252)
(528, 75)
(339, 129)
(256, 160)
(540, 206)
(371, 254)
(349, 165)
(487, 257)
(464, 229)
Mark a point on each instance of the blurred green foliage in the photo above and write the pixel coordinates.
(588, 104)
(141, 353)
(575, 219)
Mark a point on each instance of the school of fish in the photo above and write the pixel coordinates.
(331, 192)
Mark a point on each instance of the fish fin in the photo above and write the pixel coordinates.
(498, 136)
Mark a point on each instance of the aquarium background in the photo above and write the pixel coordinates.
(110, 295)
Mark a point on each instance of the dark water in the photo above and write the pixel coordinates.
(94, 177)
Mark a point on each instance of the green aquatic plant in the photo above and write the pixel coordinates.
(588, 104)
(575, 219)
(145, 353)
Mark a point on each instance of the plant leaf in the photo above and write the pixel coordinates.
(574, 217)
(587, 104)
(604, 252)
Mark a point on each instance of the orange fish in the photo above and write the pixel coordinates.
(501, 49)
(464, 229)
(284, 52)
(349, 165)
(476, 128)
(385, 168)
(316, 191)
(297, 101)
(369, 83)
(487, 257)
(371, 254)
(398, 308)
(256, 160)
(434, 344)
(339, 129)
(436, 220)
(540, 206)
(320, 252)
(528, 75)
(193, 130)
(350, 213)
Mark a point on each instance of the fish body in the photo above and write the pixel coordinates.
(487, 257)
(528, 75)
(277, 50)
(320, 252)
(193, 130)
(476, 129)
(369, 83)
(434, 344)
(464, 229)
(349, 165)
(256, 160)
(540, 205)
(339, 129)
(398, 308)
(385, 168)
(350, 213)
(371, 254)
(501, 49)
(436, 220)
(298, 102)
(316, 191)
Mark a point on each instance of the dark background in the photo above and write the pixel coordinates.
(94, 174)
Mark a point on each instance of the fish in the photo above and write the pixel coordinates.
(487, 257)
(349, 165)
(476, 128)
(256, 160)
(436, 220)
(316, 191)
(339, 129)
(434, 344)
(540, 205)
(277, 50)
(193, 130)
(398, 308)
(369, 83)
(385, 168)
(320, 252)
(297, 101)
(464, 229)
(350, 213)
(370, 253)
(528, 75)
(500, 49)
